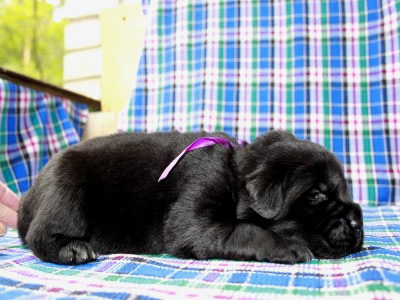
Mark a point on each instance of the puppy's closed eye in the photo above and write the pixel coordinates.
(315, 196)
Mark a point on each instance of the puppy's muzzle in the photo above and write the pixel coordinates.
(346, 234)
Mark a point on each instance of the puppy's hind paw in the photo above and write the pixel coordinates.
(76, 252)
(291, 255)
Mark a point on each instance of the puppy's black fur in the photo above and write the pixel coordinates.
(279, 200)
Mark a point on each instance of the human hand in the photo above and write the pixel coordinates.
(9, 203)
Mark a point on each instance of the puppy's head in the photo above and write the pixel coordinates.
(291, 179)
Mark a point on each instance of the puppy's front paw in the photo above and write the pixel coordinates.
(291, 254)
(76, 252)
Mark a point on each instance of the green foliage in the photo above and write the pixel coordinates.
(32, 43)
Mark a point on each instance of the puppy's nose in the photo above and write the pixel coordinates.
(355, 224)
(354, 217)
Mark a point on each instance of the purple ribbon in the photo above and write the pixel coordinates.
(199, 143)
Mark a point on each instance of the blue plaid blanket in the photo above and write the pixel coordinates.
(33, 127)
(373, 273)
(328, 71)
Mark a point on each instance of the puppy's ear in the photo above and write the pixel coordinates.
(266, 175)
(266, 199)
(274, 136)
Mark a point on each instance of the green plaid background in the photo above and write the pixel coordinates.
(328, 71)
(33, 127)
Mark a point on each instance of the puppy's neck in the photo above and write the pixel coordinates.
(240, 169)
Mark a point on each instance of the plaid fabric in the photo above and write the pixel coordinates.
(145, 6)
(328, 71)
(33, 127)
(371, 274)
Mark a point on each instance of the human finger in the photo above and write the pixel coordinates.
(3, 229)
(8, 197)
(8, 216)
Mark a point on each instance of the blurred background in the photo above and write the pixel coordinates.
(89, 47)
(32, 38)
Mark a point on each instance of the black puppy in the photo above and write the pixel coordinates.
(279, 199)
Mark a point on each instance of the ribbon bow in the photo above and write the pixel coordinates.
(199, 143)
